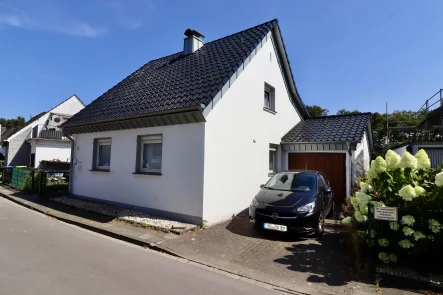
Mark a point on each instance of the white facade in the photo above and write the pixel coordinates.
(48, 150)
(238, 134)
(178, 191)
(362, 157)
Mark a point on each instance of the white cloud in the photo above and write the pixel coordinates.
(49, 18)
(131, 14)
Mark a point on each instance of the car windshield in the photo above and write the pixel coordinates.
(300, 182)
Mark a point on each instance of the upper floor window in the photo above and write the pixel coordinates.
(269, 97)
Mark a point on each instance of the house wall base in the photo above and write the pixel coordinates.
(151, 211)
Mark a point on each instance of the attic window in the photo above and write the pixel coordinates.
(57, 120)
(269, 98)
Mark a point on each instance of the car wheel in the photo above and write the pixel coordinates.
(319, 230)
(332, 211)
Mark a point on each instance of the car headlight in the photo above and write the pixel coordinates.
(254, 202)
(308, 208)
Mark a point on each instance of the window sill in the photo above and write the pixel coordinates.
(269, 110)
(100, 170)
(147, 173)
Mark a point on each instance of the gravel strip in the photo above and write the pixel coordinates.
(127, 215)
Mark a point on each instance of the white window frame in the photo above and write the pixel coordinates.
(271, 91)
(148, 139)
(102, 142)
(273, 149)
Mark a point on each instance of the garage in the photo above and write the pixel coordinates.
(332, 164)
(338, 146)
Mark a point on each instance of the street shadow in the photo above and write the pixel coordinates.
(47, 204)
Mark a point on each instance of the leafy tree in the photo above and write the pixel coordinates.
(346, 112)
(316, 111)
(12, 123)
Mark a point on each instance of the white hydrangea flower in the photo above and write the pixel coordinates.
(360, 217)
(408, 231)
(430, 237)
(394, 225)
(365, 188)
(362, 198)
(346, 220)
(393, 258)
(383, 257)
(439, 179)
(406, 244)
(419, 191)
(392, 160)
(378, 165)
(408, 220)
(363, 209)
(407, 193)
(354, 203)
(418, 235)
(378, 204)
(383, 242)
(423, 161)
(434, 225)
(371, 174)
(408, 161)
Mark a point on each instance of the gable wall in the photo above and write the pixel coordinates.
(238, 134)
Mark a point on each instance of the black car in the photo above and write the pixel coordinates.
(293, 201)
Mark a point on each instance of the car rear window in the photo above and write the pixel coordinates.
(303, 182)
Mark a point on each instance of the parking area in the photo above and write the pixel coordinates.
(307, 265)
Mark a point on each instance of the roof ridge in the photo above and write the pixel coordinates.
(337, 116)
(271, 21)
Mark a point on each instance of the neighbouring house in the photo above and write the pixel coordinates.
(426, 135)
(192, 135)
(41, 139)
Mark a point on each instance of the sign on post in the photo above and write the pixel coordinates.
(386, 213)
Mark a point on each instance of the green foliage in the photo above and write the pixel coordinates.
(409, 184)
(12, 123)
(316, 111)
(346, 112)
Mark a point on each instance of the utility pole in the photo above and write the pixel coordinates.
(387, 125)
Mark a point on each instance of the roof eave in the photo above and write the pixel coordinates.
(283, 56)
(320, 142)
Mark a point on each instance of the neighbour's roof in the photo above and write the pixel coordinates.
(176, 81)
(10, 132)
(330, 129)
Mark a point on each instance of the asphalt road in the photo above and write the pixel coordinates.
(40, 255)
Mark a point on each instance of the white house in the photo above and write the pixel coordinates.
(192, 135)
(41, 140)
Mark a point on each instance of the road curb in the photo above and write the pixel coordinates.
(102, 231)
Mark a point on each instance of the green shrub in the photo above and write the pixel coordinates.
(410, 184)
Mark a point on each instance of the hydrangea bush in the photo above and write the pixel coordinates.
(409, 183)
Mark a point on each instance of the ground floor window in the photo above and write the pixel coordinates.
(149, 153)
(272, 158)
(102, 153)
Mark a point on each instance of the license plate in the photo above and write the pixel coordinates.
(275, 227)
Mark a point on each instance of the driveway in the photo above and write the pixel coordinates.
(307, 265)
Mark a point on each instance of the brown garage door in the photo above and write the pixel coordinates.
(333, 165)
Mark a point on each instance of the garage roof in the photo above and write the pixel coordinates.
(330, 129)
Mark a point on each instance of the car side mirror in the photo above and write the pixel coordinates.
(327, 190)
(262, 185)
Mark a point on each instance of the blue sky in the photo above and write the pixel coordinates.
(353, 54)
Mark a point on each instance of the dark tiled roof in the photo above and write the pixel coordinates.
(175, 81)
(10, 132)
(329, 129)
